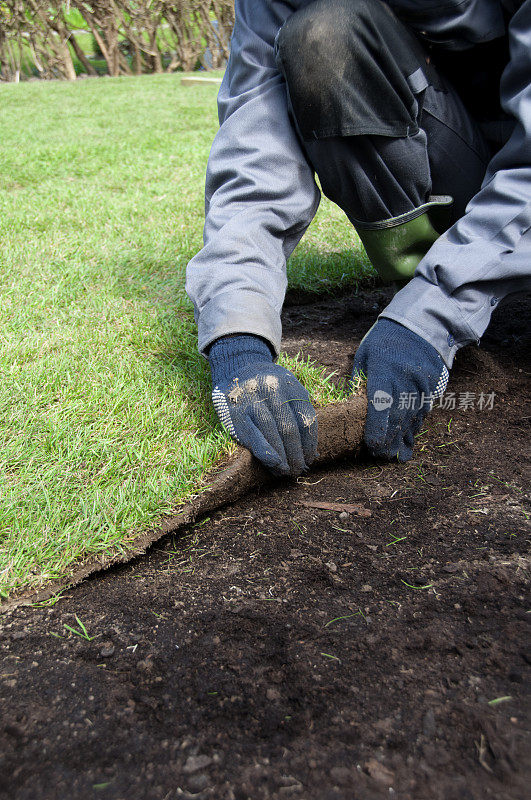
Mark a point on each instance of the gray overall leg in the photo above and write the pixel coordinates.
(384, 131)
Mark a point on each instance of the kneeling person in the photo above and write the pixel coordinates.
(435, 181)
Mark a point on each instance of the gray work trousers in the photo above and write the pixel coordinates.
(380, 124)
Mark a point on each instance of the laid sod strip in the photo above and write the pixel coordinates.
(200, 81)
(340, 433)
(106, 424)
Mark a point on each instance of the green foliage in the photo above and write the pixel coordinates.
(74, 18)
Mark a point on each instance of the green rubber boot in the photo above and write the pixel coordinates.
(396, 246)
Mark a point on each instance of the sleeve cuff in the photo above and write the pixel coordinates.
(428, 311)
(240, 311)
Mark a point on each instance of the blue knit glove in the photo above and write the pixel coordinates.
(404, 375)
(262, 405)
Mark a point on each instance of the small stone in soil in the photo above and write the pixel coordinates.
(379, 772)
(198, 782)
(340, 775)
(195, 763)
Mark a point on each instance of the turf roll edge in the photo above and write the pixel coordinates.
(340, 434)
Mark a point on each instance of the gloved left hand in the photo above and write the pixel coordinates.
(404, 375)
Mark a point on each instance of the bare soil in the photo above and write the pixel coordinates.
(276, 649)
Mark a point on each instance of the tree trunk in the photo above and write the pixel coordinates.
(114, 54)
(101, 44)
(155, 55)
(124, 64)
(15, 63)
(36, 59)
(66, 59)
(137, 59)
(106, 45)
(81, 55)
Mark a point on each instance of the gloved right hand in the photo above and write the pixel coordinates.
(262, 405)
(405, 374)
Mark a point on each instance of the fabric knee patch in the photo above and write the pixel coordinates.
(346, 66)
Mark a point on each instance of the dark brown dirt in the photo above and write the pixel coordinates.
(277, 650)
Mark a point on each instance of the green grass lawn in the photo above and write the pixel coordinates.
(105, 419)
